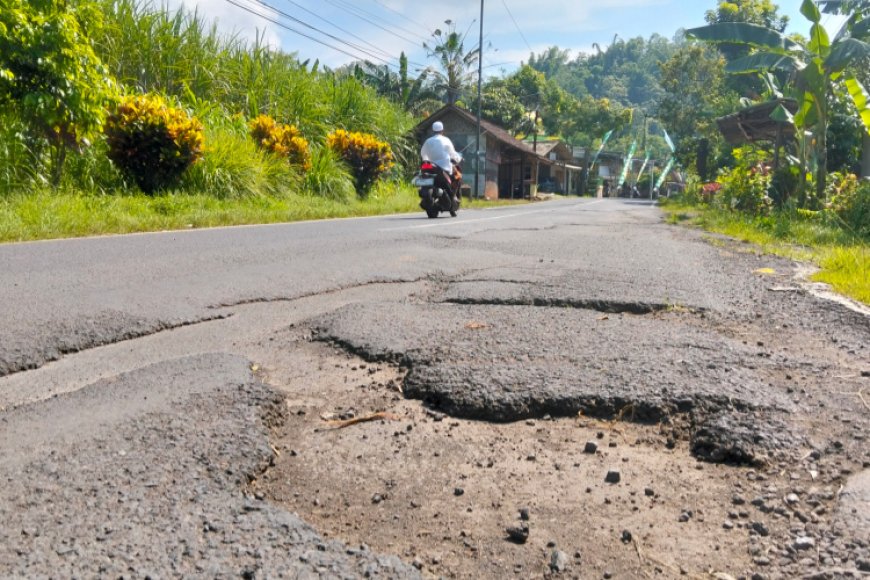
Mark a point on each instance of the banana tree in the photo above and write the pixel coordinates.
(814, 67)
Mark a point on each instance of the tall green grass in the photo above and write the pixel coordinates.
(180, 54)
(224, 80)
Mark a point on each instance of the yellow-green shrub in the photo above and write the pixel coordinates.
(152, 142)
(850, 201)
(367, 157)
(282, 140)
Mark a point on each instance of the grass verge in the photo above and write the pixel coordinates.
(843, 258)
(49, 215)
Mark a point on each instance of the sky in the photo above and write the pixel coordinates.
(336, 32)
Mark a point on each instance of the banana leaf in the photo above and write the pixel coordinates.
(764, 61)
(860, 98)
(742, 33)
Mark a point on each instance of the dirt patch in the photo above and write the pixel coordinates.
(442, 493)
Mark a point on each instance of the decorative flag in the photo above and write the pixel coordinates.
(668, 141)
(603, 143)
(627, 165)
(665, 172)
(642, 167)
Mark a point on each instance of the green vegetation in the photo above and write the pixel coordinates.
(182, 128)
(51, 78)
(57, 214)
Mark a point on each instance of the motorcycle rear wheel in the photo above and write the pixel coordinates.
(432, 213)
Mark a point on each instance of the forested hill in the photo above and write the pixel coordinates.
(627, 72)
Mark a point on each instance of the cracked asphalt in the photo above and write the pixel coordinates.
(136, 418)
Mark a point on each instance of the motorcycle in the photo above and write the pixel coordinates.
(435, 195)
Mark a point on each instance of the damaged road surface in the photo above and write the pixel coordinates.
(564, 389)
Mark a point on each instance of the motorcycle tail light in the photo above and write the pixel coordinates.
(426, 166)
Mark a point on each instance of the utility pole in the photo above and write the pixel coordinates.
(477, 161)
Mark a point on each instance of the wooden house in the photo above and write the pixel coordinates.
(511, 167)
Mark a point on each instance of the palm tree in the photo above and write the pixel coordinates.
(814, 67)
(456, 68)
(410, 93)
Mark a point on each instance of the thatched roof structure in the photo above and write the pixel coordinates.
(756, 124)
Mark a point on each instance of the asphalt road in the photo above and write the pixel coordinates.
(126, 371)
(62, 296)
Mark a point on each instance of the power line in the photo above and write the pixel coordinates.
(361, 14)
(280, 24)
(523, 36)
(328, 35)
(337, 27)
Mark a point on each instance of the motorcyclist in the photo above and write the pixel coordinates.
(439, 150)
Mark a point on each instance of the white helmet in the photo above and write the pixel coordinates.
(438, 126)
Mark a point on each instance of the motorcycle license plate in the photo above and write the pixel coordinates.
(424, 181)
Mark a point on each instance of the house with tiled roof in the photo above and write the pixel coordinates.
(511, 166)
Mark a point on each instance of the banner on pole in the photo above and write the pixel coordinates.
(600, 149)
(627, 166)
(665, 172)
(642, 167)
(669, 141)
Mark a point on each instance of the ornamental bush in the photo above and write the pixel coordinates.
(367, 158)
(151, 142)
(850, 202)
(745, 187)
(282, 140)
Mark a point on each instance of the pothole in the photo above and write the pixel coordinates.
(440, 492)
(506, 364)
(599, 305)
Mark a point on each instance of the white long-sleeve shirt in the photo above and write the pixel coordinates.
(439, 150)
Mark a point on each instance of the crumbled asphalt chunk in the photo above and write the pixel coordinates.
(158, 482)
(804, 543)
(59, 338)
(518, 534)
(742, 438)
(563, 363)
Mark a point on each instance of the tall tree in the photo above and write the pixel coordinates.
(49, 74)
(591, 118)
(694, 81)
(760, 12)
(457, 69)
(503, 108)
(815, 67)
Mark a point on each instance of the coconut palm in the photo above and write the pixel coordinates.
(456, 69)
(815, 67)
